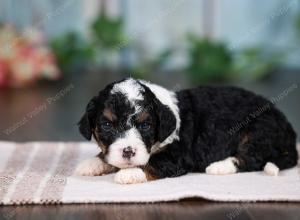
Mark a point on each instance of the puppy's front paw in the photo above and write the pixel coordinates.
(222, 167)
(130, 176)
(91, 167)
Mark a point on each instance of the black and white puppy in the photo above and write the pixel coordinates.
(147, 132)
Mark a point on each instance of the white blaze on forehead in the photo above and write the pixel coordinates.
(133, 92)
(130, 88)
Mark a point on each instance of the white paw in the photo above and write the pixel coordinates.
(91, 167)
(222, 167)
(130, 175)
(271, 169)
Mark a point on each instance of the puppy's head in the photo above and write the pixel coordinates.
(130, 120)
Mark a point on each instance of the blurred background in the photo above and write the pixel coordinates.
(56, 54)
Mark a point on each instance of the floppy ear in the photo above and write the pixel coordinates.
(87, 122)
(167, 121)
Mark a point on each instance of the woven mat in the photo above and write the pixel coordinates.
(41, 173)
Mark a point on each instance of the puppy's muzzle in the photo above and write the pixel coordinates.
(128, 152)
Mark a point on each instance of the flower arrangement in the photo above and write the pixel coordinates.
(24, 58)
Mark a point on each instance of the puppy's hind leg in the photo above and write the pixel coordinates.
(223, 167)
(247, 158)
(254, 153)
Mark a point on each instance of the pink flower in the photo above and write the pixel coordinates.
(24, 59)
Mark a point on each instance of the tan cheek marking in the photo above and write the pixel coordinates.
(149, 172)
(103, 147)
(100, 143)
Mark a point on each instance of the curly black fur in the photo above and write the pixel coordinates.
(219, 122)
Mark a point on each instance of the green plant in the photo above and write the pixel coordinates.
(297, 25)
(211, 61)
(252, 64)
(207, 60)
(156, 64)
(108, 32)
(72, 52)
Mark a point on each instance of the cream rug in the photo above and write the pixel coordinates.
(41, 173)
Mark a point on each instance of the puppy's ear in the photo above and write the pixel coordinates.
(167, 119)
(87, 122)
(167, 122)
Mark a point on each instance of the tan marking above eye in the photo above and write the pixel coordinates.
(109, 114)
(142, 116)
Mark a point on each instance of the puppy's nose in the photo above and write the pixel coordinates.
(128, 152)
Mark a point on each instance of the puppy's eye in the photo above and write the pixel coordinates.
(106, 126)
(144, 126)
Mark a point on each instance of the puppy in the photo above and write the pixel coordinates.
(147, 132)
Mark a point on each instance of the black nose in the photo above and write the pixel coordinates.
(128, 152)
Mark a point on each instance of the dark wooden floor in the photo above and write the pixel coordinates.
(49, 112)
(191, 209)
